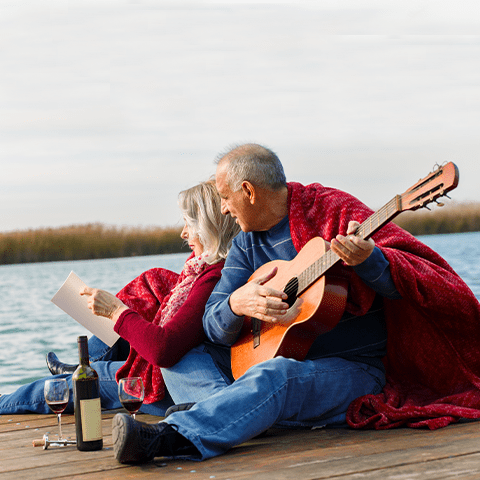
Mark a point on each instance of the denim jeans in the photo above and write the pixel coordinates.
(106, 361)
(199, 374)
(205, 371)
(280, 391)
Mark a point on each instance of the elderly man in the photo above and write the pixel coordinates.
(395, 284)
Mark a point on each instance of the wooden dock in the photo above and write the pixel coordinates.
(402, 454)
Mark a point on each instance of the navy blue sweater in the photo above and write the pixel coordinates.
(356, 338)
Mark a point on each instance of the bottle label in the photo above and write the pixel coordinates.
(91, 413)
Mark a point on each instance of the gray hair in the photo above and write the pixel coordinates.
(254, 163)
(201, 208)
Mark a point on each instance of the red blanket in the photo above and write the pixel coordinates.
(433, 354)
(148, 295)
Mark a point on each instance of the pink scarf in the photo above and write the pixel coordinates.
(143, 295)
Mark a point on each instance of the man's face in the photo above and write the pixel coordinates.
(236, 204)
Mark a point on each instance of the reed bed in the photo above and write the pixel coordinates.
(85, 242)
(452, 218)
(92, 241)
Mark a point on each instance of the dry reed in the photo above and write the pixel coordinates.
(91, 241)
(452, 218)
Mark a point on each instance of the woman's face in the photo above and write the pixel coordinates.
(192, 239)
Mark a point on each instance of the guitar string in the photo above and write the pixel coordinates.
(388, 210)
(371, 224)
(327, 260)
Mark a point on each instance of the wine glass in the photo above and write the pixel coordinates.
(56, 393)
(131, 394)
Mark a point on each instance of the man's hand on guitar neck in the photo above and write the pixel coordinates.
(351, 249)
(256, 300)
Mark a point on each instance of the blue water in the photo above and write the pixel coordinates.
(31, 326)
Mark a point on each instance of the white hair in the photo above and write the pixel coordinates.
(254, 163)
(201, 208)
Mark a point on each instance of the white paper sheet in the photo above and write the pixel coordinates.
(70, 301)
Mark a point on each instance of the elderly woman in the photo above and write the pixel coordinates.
(159, 319)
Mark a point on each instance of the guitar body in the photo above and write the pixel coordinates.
(317, 310)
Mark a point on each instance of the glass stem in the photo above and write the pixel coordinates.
(59, 426)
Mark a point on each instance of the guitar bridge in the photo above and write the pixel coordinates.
(256, 332)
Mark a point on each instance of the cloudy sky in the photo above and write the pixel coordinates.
(109, 108)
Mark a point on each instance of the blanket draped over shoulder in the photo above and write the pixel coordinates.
(156, 295)
(433, 347)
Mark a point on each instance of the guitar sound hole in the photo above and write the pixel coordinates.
(291, 290)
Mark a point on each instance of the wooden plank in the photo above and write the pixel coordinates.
(9, 423)
(326, 459)
(467, 467)
(327, 454)
(282, 454)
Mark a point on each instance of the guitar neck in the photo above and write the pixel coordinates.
(371, 225)
(380, 218)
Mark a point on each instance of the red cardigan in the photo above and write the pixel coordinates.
(164, 346)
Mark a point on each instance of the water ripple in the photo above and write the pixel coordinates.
(31, 326)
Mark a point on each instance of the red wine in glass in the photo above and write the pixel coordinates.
(57, 407)
(131, 394)
(56, 393)
(133, 406)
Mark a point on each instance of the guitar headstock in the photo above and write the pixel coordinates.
(435, 185)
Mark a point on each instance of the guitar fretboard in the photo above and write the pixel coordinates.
(373, 223)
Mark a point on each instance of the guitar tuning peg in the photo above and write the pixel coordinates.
(426, 206)
(447, 196)
(440, 204)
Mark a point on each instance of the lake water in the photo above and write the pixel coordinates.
(31, 326)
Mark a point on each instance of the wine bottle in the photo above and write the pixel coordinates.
(86, 392)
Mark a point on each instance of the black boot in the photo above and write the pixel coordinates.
(56, 367)
(138, 442)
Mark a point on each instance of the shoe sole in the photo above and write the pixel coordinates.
(131, 442)
(181, 407)
(120, 429)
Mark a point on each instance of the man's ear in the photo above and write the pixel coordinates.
(249, 191)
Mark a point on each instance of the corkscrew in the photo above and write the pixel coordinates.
(45, 442)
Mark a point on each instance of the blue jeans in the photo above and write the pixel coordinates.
(106, 361)
(199, 374)
(280, 391)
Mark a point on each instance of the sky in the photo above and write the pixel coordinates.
(109, 108)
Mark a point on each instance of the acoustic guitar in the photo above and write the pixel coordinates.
(316, 297)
